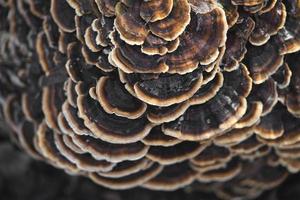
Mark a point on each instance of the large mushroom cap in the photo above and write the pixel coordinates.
(161, 94)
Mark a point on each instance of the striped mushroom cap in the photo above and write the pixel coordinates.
(160, 94)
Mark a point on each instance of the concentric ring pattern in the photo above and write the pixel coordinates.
(160, 94)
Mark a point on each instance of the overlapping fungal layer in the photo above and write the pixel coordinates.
(159, 94)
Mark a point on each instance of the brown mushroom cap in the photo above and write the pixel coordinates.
(176, 153)
(172, 177)
(234, 136)
(65, 22)
(263, 61)
(85, 161)
(237, 37)
(268, 24)
(170, 27)
(206, 120)
(152, 11)
(118, 130)
(160, 115)
(232, 169)
(211, 155)
(199, 44)
(115, 99)
(267, 128)
(247, 146)
(106, 7)
(111, 152)
(127, 182)
(129, 24)
(267, 94)
(46, 144)
(157, 138)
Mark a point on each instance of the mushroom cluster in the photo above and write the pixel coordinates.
(160, 94)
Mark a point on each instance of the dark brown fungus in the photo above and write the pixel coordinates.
(223, 174)
(115, 99)
(130, 181)
(152, 11)
(101, 150)
(160, 94)
(110, 127)
(211, 155)
(66, 21)
(176, 153)
(170, 27)
(170, 178)
(263, 61)
(84, 161)
(157, 138)
(46, 144)
(234, 136)
(268, 24)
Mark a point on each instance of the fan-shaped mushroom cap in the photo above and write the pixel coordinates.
(267, 128)
(199, 44)
(73, 121)
(157, 138)
(51, 99)
(234, 136)
(170, 27)
(152, 11)
(252, 115)
(129, 24)
(198, 122)
(172, 177)
(247, 146)
(224, 174)
(283, 76)
(288, 36)
(31, 106)
(291, 132)
(46, 144)
(111, 152)
(263, 61)
(26, 136)
(65, 22)
(82, 7)
(97, 120)
(168, 89)
(237, 38)
(131, 59)
(211, 155)
(268, 24)
(160, 115)
(207, 91)
(176, 153)
(130, 181)
(231, 11)
(106, 7)
(83, 161)
(267, 94)
(115, 99)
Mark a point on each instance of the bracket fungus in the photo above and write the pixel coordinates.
(160, 94)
